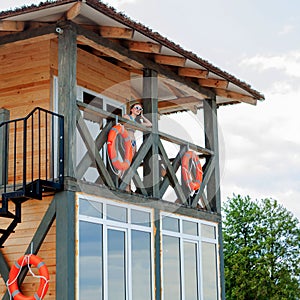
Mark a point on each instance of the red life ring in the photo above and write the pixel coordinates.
(193, 184)
(112, 151)
(15, 271)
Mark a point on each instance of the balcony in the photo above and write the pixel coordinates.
(155, 171)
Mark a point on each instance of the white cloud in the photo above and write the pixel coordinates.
(288, 28)
(289, 63)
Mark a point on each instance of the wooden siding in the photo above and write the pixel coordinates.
(98, 75)
(32, 214)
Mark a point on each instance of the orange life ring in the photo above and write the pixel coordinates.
(193, 182)
(112, 151)
(15, 271)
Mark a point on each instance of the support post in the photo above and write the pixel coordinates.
(4, 116)
(150, 104)
(67, 61)
(65, 245)
(213, 185)
(65, 201)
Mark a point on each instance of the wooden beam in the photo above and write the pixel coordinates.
(171, 173)
(170, 60)
(67, 58)
(140, 62)
(109, 51)
(30, 35)
(192, 72)
(183, 102)
(145, 47)
(65, 245)
(143, 150)
(235, 96)
(93, 151)
(175, 165)
(215, 83)
(116, 32)
(12, 26)
(74, 11)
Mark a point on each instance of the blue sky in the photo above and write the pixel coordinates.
(258, 42)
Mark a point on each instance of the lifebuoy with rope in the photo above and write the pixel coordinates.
(112, 147)
(193, 181)
(15, 271)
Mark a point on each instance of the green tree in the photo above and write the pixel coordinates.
(261, 250)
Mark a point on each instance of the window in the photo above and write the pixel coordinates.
(189, 262)
(86, 167)
(115, 256)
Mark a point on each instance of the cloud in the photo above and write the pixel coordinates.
(288, 28)
(262, 143)
(289, 63)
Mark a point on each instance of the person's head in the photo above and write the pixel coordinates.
(136, 109)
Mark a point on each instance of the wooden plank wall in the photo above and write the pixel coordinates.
(98, 75)
(18, 242)
(26, 72)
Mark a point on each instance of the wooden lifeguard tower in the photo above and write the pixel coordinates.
(69, 70)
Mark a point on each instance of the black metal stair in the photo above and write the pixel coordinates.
(42, 170)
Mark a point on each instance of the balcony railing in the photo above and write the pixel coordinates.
(95, 158)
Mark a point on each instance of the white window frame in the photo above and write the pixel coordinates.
(197, 239)
(121, 226)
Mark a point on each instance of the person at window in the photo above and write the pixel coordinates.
(136, 115)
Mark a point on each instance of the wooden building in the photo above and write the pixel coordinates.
(69, 70)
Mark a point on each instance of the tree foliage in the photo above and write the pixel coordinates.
(261, 250)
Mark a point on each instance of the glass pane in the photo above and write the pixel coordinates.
(116, 213)
(141, 218)
(209, 271)
(90, 261)
(190, 271)
(208, 231)
(171, 224)
(116, 264)
(141, 265)
(90, 208)
(190, 227)
(171, 268)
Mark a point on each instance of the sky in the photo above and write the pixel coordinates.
(259, 43)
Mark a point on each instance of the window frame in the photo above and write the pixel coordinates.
(120, 226)
(198, 240)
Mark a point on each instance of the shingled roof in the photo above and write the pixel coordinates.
(228, 88)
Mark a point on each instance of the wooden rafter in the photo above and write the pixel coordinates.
(215, 83)
(116, 32)
(12, 26)
(145, 47)
(192, 72)
(74, 11)
(235, 96)
(170, 60)
(184, 101)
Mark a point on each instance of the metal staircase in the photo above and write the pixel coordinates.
(32, 163)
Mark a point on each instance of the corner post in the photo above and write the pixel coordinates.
(150, 104)
(213, 186)
(67, 62)
(65, 201)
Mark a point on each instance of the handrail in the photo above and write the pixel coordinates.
(130, 124)
(40, 127)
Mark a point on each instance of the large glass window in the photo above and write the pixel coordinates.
(189, 262)
(115, 256)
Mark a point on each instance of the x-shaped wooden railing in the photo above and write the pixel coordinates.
(93, 158)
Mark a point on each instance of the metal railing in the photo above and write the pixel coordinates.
(33, 150)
